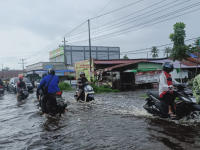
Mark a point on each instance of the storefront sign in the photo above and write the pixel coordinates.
(29, 72)
(48, 66)
(60, 73)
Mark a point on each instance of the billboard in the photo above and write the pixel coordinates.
(84, 66)
(57, 55)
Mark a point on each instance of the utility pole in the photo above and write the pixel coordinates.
(147, 55)
(90, 51)
(197, 56)
(65, 59)
(22, 63)
(2, 70)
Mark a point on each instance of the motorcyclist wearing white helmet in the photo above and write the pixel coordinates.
(165, 86)
(81, 81)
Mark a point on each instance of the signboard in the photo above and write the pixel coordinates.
(48, 66)
(84, 66)
(59, 73)
(29, 72)
(147, 77)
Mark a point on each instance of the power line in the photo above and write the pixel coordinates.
(116, 10)
(115, 33)
(103, 30)
(122, 17)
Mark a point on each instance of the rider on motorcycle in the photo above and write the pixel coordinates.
(81, 81)
(165, 86)
(53, 87)
(20, 85)
(39, 91)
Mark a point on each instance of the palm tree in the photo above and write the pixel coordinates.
(154, 52)
(167, 51)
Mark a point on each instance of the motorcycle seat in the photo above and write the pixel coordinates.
(155, 94)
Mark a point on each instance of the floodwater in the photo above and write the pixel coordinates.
(114, 121)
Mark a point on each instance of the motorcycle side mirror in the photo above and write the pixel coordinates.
(169, 79)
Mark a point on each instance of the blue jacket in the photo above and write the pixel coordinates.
(53, 85)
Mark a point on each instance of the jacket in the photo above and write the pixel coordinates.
(53, 85)
(163, 86)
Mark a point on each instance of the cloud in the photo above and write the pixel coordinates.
(30, 26)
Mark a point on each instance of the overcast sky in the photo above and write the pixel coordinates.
(30, 26)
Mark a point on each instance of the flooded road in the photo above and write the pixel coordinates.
(114, 121)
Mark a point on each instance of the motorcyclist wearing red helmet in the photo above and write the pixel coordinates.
(20, 85)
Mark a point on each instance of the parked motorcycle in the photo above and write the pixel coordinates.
(185, 107)
(1, 91)
(23, 94)
(56, 104)
(87, 95)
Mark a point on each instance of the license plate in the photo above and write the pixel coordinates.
(91, 95)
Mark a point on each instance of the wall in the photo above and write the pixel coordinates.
(37, 66)
(177, 75)
(143, 65)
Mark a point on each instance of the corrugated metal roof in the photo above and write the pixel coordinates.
(124, 64)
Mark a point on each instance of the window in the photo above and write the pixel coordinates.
(113, 48)
(102, 55)
(77, 48)
(102, 48)
(68, 57)
(92, 48)
(77, 56)
(87, 55)
(114, 55)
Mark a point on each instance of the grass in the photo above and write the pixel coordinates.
(103, 89)
(65, 86)
(144, 96)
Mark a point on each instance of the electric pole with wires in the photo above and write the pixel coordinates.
(22, 63)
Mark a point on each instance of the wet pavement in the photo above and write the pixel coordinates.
(114, 121)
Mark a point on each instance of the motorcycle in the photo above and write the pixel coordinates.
(23, 94)
(1, 91)
(56, 104)
(87, 95)
(185, 107)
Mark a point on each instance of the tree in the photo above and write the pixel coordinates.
(167, 51)
(195, 45)
(180, 51)
(6, 69)
(125, 57)
(154, 52)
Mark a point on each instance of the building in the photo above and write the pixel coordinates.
(80, 53)
(10, 74)
(35, 71)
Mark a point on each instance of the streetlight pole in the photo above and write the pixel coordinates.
(197, 56)
(90, 51)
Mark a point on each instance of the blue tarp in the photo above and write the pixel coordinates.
(192, 55)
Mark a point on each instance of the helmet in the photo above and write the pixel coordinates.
(20, 78)
(168, 67)
(44, 74)
(82, 73)
(51, 71)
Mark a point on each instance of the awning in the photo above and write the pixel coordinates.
(122, 65)
(142, 70)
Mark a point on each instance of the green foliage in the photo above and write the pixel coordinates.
(195, 45)
(125, 57)
(167, 51)
(103, 89)
(154, 52)
(65, 86)
(180, 51)
(6, 69)
(143, 95)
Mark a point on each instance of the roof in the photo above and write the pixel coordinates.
(122, 61)
(124, 64)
